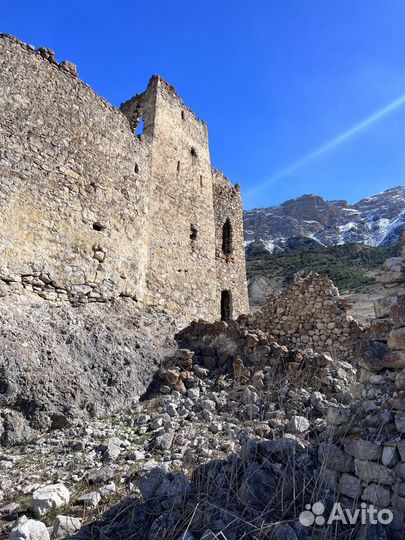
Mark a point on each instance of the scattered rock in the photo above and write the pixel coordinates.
(164, 441)
(29, 529)
(69, 67)
(90, 500)
(65, 526)
(49, 498)
(298, 424)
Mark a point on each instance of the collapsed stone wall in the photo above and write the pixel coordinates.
(91, 211)
(366, 461)
(310, 314)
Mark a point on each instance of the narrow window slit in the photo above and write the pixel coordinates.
(194, 232)
(140, 127)
(227, 237)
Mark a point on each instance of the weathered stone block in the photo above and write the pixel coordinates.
(397, 311)
(329, 478)
(350, 486)
(377, 495)
(369, 471)
(397, 404)
(90, 500)
(69, 67)
(400, 471)
(65, 526)
(338, 416)
(399, 488)
(401, 449)
(49, 498)
(391, 277)
(298, 424)
(400, 380)
(383, 305)
(333, 457)
(29, 529)
(398, 503)
(396, 339)
(380, 329)
(394, 264)
(400, 422)
(390, 456)
(362, 449)
(393, 360)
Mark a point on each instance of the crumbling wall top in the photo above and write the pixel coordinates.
(156, 83)
(64, 68)
(220, 180)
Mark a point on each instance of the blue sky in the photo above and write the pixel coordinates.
(274, 79)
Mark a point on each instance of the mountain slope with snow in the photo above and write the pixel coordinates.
(374, 221)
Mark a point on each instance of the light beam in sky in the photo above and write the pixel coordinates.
(369, 121)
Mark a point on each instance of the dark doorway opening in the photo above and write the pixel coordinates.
(226, 305)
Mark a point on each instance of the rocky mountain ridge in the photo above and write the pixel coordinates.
(376, 220)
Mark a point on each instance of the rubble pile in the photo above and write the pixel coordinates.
(241, 435)
(233, 387)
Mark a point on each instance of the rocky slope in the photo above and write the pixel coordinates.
(201, 408)
(308, 220)
(221, 450)
(59, 364)
(237, 437)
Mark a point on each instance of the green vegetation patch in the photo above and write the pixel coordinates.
(347, 265)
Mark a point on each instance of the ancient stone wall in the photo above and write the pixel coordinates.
(229, 250)
(310, 313)
(367, 461)
(92, 210)
(181, 225)
(73, 209)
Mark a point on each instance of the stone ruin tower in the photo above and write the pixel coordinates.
(91, 210)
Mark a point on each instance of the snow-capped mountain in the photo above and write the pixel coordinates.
(310, 219)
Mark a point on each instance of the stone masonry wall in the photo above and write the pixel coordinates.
(366, 461)
(181, 246)
(231, 268)
(90, 210)
(310, 314)
(73, 211)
